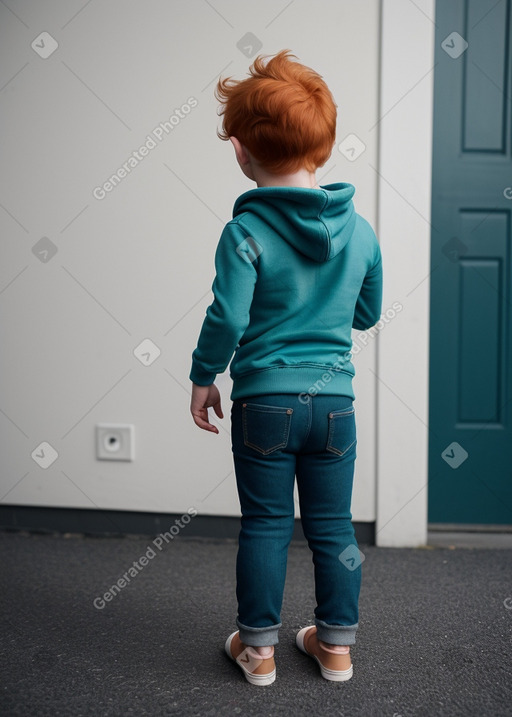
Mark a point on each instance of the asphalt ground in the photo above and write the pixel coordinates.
(434, 637)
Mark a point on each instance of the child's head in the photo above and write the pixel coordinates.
(284, 114)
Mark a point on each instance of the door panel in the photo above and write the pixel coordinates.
(470, 451)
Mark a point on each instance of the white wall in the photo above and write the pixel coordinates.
(138, 264)
(404, 172)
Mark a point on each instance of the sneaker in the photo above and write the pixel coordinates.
(258, 670)
(337, 667)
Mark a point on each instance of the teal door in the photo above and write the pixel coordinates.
(470, 432)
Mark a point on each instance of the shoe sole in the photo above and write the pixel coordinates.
(333, 675)
(249, 676)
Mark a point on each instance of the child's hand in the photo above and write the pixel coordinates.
(202, 398)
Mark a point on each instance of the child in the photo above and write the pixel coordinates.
(296, 269)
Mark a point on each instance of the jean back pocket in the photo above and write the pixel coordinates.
(266, 428)
(342, 431)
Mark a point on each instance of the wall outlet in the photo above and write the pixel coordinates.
(114, 442)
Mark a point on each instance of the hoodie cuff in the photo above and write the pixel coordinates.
(201, 377)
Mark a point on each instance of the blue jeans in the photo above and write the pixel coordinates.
(275, 438)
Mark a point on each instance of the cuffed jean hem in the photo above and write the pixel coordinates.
(336, 634)
(258, 636)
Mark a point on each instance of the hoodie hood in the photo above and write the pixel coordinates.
(316, 222)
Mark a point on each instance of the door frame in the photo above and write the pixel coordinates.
(404, 177)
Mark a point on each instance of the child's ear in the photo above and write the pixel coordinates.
(240, 151)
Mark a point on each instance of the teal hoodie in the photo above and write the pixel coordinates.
(296, 270)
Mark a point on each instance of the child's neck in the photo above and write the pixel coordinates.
(302, 179)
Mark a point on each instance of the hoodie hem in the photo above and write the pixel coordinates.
(293, 379)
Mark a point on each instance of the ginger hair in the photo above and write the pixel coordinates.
(283, 113)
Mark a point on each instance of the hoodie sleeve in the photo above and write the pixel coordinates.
(228, 316)
(369, 302)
